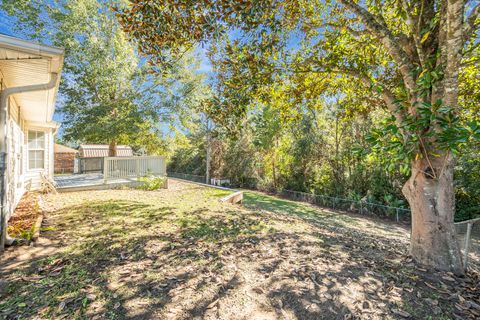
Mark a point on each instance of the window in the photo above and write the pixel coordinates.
(36, 149)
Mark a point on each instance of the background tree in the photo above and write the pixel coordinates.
(409, 52)
(108, 93)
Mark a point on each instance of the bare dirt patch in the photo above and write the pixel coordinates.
(181, 254)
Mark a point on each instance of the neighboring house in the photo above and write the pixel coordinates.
(91, 156)
(29, 79)
(64, 159)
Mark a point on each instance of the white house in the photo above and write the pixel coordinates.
(29, 80)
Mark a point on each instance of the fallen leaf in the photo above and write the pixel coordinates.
(213, 304)
(401, 313)
(61, 306)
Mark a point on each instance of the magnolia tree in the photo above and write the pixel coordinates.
(408, 53)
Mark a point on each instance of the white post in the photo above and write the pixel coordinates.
(105, 170)
(207, 171)
(137, 167)
(467, 245)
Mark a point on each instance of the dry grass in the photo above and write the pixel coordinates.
(22, 222)
(181, 254)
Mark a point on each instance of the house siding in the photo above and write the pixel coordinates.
(19, 178)
(14, 187)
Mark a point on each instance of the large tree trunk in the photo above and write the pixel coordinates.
(431, 197)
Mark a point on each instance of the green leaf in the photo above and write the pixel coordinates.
(425, 37)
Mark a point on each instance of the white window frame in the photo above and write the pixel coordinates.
(37, 149)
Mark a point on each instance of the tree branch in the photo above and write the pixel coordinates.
(387, 95)
(399, 55)
(414, 24)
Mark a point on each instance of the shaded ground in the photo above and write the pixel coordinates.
(181, 254)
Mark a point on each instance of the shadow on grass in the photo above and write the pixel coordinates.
(122, 263)
(315, 214)
(110, 263)
(277, 205)
(225, 227)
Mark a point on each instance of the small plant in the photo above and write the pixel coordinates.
(25, 234)
(152, 183)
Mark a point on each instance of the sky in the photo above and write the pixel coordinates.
(6, 24)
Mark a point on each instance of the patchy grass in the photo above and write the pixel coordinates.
(181, 254)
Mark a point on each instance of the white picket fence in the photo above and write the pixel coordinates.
(133, 167)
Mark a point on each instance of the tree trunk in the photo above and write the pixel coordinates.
(274, 173)
(207, 169)
(430, 194)
(112, 149)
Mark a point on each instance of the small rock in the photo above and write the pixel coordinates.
(116, 305)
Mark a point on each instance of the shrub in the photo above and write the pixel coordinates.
(152, 183)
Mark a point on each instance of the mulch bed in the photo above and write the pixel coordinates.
(22, 221)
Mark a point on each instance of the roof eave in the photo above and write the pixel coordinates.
(30, 47)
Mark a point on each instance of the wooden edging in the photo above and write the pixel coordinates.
(38, 222)
(37, 227)
(235, 197)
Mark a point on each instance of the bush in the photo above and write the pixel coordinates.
(152, 183)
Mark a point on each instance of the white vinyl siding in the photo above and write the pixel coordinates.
(36, 150)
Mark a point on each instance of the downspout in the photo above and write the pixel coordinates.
(4, 95)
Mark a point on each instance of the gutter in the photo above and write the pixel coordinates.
(16, 44)
(4, 95)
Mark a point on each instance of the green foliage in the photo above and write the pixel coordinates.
(467, 184)
(151, 183)
(107, 92)
(25, 234)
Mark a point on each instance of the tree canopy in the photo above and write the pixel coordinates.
(405, 57)
(108, 93)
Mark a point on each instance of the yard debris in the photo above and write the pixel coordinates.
(22, 224)
(48, 185)
(401, 313)
(209, 260)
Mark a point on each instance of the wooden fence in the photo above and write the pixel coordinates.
(133, 167)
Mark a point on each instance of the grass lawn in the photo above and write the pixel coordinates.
(181, 254)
